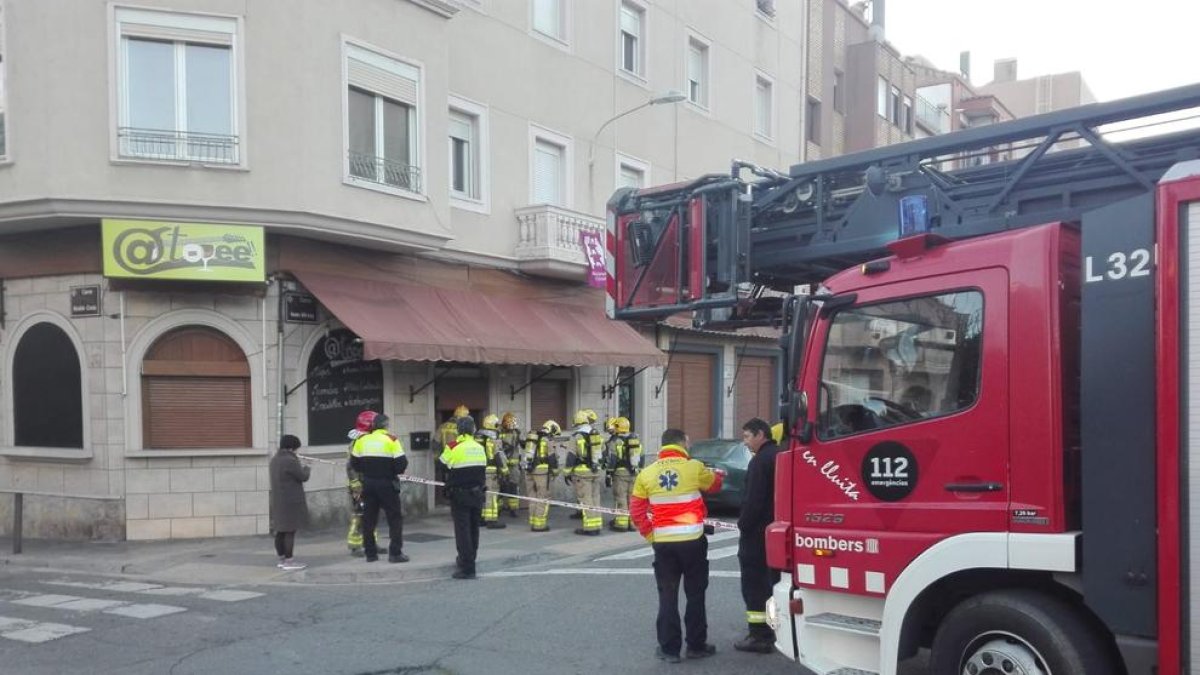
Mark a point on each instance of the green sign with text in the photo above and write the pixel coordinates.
(146, 249)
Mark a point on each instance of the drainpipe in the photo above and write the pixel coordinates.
(280, 388)
(804, 83)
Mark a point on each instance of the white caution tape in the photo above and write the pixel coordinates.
(719, 524)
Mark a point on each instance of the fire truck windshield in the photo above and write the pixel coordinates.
(900, 361)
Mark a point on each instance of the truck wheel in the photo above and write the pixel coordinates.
(1017, 632)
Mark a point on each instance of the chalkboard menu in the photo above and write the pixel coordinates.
(340, 385)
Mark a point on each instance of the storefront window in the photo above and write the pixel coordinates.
(47, 397)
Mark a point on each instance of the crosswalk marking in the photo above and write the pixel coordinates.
(90, 604)
(647, 551)
(220, 595)
(719, 553)
(73, 603)
(146, 611)
(45, 600)
(35, 632)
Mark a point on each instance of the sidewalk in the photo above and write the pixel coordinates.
(428, 541)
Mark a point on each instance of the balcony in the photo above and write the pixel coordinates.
(177, 146)
(548, 241)
(935, 118)
(383, 171)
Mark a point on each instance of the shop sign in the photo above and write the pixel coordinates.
(85, 300)
(143, 249)
(299, 308)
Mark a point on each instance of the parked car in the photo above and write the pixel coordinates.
(731, 455)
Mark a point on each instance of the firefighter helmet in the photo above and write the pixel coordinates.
(592, 417)
(551, 428)
(462, 411)
(491, 422)
(621, 425)
(508, 422)
(609, 423)
(581, 417)
(365, 423)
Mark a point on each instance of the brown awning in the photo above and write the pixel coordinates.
(411, 322)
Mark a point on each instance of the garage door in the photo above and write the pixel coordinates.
(690, 394)
(755, 390)
(548, 401)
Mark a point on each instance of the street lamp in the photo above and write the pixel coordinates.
(671, 96)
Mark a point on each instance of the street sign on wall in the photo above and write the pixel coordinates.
(146, 249)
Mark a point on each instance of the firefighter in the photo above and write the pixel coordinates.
(510, 442)
(583, 468)
(625, 459)
(465, 461)
(449, 429)
(598, 448)
(497, 469)
(668, 510)
(354, 487)
(379, 457)
(758, 509)
(541, 465)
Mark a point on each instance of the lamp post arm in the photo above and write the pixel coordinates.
(596, 136)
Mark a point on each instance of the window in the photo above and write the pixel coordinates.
(382, 121)
(468, 148)
(697, 72)
(195, 391)
(764, 103)
(894, 106)
(550, 175)
(549, 18)
(906, 120)
(812, 121)
(178, 97)
(839, 92)
(632, 40)
(631, 172)
(47, 390)
(903, 361)
(626, 377)
(881, 98)
(340, 385)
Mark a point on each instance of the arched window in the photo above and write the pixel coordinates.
(195, 391)
(47, 397)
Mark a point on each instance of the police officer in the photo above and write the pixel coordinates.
(758, 509)
(497, 470)
(625, 461)
(379, 457)
(583, 468)
(541, 465)
(466, 463)
(668, 510)
(511, 444)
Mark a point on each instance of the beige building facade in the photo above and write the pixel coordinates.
(398, 190)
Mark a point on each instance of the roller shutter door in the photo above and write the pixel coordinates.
(755, 390)
(690, 394)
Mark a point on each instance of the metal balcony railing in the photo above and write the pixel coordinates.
(181, 146)
(385, 171)
(934, 118)
(548, 240)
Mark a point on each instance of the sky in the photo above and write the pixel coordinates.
(1122, 48)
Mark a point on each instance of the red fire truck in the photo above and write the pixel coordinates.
(990, 343)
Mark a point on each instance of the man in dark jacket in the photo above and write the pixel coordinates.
(758, 510)
(379, 457)
(465, 461)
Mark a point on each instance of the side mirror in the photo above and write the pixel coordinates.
(641, 243)
(806, 426)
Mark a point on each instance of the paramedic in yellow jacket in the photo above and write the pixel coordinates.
(584, 467)
(541, 465)
(511, 444)
(496, 470)
(625, 461)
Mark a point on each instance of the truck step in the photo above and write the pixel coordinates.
(853, 671)
(848, 624)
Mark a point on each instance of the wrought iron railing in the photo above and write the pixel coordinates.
(385, 171)
(182, 146)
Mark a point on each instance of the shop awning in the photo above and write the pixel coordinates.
(411, 322)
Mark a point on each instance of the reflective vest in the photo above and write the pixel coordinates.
(378, 455)
(466, 462)
(666, 504)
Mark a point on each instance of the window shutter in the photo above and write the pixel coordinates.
(548, 401)
(460, 127)
(690, 394)
(547, 174)
(196, 412)
(631, 21)
(695, 63)
(381, 75)
(756, 390)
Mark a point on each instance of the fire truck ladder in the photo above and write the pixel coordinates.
(828, 215)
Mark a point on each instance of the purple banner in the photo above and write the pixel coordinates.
(593, 252)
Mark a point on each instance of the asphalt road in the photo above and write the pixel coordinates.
(586, 615)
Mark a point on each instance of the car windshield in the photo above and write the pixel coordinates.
(712, 451)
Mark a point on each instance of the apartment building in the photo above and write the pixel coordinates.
(946, 101)
(222, 221)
